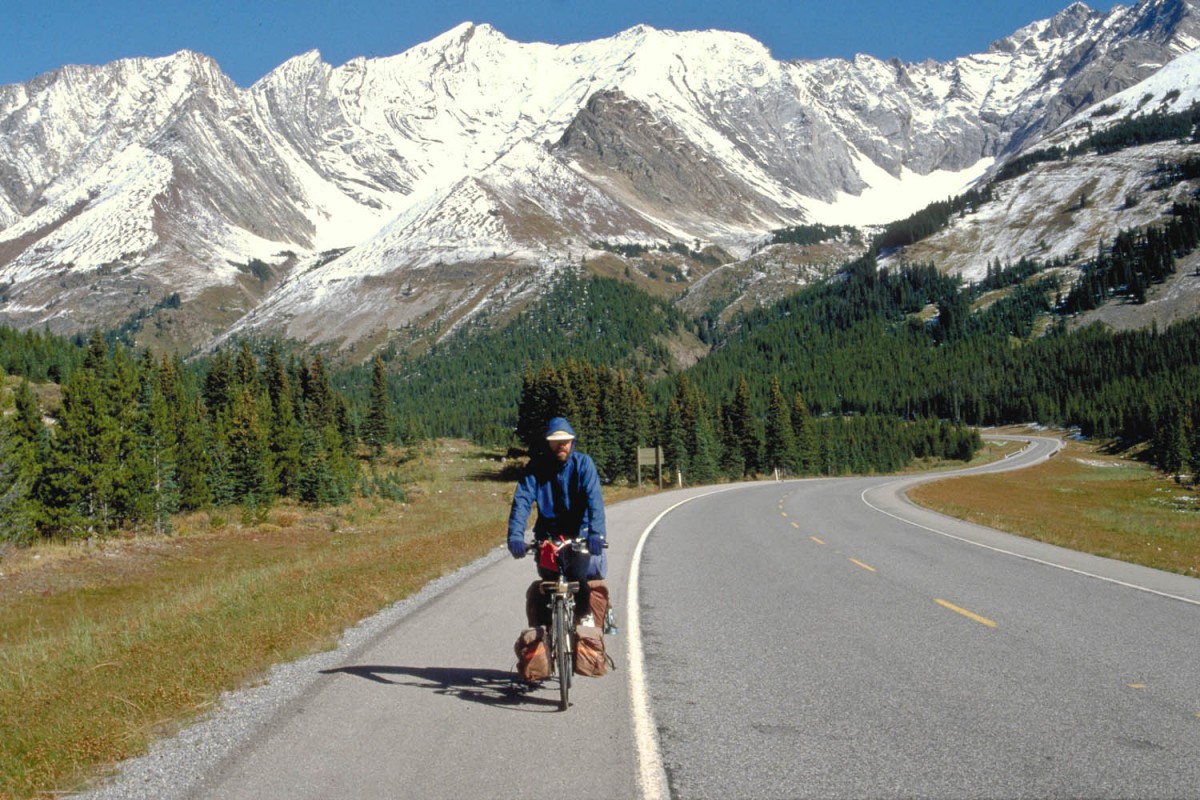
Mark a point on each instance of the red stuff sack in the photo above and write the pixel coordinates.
(547, 551)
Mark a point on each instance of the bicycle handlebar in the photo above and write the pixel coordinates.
(530, 544)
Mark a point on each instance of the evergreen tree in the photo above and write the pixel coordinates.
(245, 368)
(221, 480)
(131, 479)
(616, 445)
(529, 410)
(640, 428)
(743, 429)
(275, 377)
(323, 472)
(194, 465)
(377, 431)
(249, 462)
(31, 439)
(320, 408)
(781, 439)
(803, 434)
(285, 441)
(219, 386)
(16, 523)
(674, 442)
(732, 460)
(95, 359)
(703, 448)
(159, 440)
(76, 491)
(284, 426)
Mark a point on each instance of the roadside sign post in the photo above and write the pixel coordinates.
(650, 457)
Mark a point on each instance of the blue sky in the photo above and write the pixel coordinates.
(249, 38)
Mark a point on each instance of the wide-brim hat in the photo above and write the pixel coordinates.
(559, 430)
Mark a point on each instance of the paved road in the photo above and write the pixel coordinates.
(798, 640)
(802, 642)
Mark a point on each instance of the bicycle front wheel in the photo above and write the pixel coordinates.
(562, 654)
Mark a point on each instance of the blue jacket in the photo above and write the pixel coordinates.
(568, 499)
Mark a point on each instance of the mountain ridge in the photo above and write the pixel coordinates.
(410, 192)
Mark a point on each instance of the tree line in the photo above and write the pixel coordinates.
(138, 439)
(706, 439)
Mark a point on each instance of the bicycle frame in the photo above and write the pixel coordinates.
(562, 619)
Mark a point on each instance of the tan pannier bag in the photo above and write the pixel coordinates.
(590, 658)
(598, 599)
(533, 660)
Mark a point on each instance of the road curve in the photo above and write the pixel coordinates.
(824, 638)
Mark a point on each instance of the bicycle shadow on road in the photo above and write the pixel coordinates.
(489, 687)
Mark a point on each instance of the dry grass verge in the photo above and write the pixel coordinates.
(104, 648)
(1086, 500)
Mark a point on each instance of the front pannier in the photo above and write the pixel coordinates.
(590, 658)
(533, 659)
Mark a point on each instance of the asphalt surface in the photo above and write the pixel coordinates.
(797, 639)
(801, 642)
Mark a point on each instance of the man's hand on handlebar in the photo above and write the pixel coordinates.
(517, 546)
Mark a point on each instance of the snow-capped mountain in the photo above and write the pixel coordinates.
(361, 203)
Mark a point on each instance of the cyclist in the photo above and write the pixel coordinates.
(566, 488)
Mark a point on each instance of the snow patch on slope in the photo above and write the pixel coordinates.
(888, 198)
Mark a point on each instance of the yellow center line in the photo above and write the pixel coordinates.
(965, 613)
(867, 567)
(796, 526)
(815, 539)
(783, 513)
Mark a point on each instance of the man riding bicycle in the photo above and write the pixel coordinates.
(566, 488)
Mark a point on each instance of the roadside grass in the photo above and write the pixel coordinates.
(1086, 500)
(104, 648)
(992, 450)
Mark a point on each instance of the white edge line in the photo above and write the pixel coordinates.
(652, 777)
(1033, 559)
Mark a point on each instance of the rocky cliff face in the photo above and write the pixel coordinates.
(392, 196)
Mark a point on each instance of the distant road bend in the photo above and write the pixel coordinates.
(810, 638)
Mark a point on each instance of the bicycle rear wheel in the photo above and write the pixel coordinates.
(562, 654)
